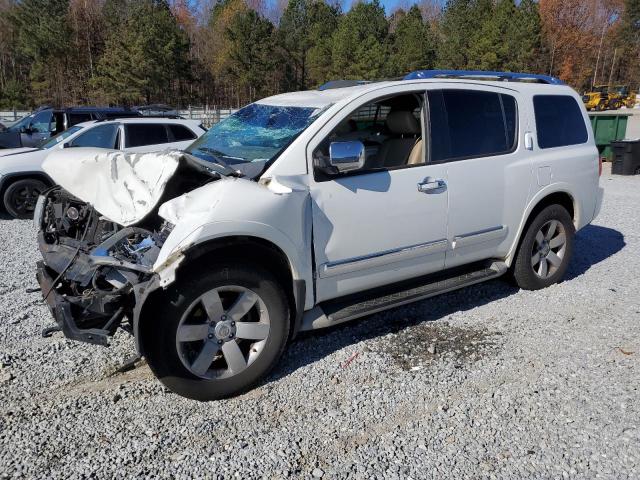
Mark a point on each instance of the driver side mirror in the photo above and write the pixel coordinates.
(347, 156)
(26, 130)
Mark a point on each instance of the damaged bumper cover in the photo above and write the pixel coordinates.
(62, 309)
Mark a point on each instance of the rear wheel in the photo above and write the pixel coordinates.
(216, 336)
(21, 196)
(545, 250)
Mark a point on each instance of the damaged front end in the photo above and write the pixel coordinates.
(90, 265)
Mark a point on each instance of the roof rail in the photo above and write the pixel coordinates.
(485, 75)
(330, 85)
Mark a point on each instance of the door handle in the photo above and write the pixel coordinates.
(430, 185)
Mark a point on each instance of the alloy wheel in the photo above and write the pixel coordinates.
(222, 332)
(549, 249)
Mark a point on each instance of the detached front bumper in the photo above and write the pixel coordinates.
(63, 312)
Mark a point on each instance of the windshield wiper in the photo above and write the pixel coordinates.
(219, 154)
(221, 168)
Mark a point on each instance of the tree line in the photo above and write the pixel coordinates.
(226, 53)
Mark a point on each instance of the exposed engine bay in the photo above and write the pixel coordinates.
(94, 262)
(91, 264)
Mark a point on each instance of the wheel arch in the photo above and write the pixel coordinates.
(542, 200)
(244, 248)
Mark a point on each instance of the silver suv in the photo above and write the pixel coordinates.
(308, 209)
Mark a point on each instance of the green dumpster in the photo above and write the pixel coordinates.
(608, 127)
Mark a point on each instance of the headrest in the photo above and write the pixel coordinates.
(402, 122)
(346, 126)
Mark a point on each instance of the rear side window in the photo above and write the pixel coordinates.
(142, 134)
(102, 136)
(471, 123)
(559, 121)
(75, 118)
(180, 133)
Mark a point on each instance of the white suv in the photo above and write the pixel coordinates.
(308, 209)
(22, 178)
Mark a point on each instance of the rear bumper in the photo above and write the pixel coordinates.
(62, 309)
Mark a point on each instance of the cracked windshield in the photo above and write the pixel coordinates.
(256, 133)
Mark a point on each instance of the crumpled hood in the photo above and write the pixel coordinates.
(122, 186)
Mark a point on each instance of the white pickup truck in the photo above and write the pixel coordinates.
(308, 209)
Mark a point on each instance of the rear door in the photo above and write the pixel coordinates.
(477, 133)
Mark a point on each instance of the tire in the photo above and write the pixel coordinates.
(199, 319)
(542, 258)
(21, 196)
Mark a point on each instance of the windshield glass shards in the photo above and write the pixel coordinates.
(256, 133)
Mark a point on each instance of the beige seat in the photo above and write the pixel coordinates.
(401, 148)
(416, 157)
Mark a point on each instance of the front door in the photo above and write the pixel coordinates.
(387, 221)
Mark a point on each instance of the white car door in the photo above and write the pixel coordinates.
(385, 222)
(478, 134)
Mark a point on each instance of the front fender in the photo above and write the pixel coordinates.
(233, 208)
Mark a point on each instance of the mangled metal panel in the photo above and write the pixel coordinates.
(124, 187)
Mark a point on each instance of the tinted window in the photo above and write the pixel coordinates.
(141, 134)
(181, 133)
(75, 118)
(559, 121)
(469, 123)
(102, 136)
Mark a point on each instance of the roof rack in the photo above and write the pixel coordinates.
(485, 75)
(342, 84)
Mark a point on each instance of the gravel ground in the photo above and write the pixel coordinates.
(486, 382)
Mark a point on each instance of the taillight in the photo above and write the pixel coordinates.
(599, 166)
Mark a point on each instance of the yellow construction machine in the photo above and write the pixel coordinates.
(605, 97)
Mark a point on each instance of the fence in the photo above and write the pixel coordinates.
(207, 116)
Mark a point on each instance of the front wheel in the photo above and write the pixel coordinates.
(545, 249)
(217, 335)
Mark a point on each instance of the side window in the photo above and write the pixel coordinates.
(142, 134)
(41, 122)
(75, 118)
(559, 121)
(390, 130)
(180, 133)
(102, 136)
(471, 123)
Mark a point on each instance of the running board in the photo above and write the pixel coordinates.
(342, 310)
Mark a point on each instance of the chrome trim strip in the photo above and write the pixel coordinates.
(382, 258)
(480, 237)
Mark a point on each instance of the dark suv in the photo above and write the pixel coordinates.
(47, 121)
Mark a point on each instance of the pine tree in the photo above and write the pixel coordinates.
(143, 56)
(629, 41)
(251, 51)
(455, 30)
(412, 44)
(42, 34)
(304, 36)
(359, 47)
